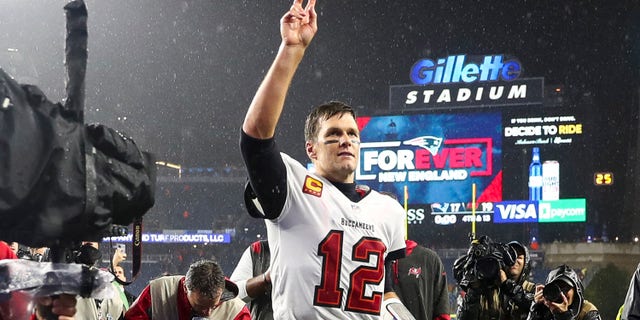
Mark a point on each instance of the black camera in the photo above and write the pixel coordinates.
(75, 180)
(488, 269)
(480, 267)
(553, 291)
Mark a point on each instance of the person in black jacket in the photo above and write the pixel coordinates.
(562, 298)
(630, 310)
(420, 281)
(505, 296)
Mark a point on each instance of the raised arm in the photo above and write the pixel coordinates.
(297, 28)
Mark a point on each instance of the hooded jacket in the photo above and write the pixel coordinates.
(579, 309)
(508, 301)
(420, 281)
(631, 308)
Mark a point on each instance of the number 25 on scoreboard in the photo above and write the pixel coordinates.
(603, 178)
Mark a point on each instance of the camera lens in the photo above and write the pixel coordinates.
(552, 293)
(488, 268)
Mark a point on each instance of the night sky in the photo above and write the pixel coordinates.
(184, 72)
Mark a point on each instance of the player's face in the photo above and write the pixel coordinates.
(336, 151)
(201, 305)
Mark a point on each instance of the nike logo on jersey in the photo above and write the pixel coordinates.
(312, 186)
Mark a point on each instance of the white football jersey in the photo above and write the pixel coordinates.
(327, 252)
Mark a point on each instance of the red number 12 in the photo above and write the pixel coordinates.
(329, 293)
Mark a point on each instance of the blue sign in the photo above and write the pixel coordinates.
(515, 212)
(454, 69)
(176, 238)
(437, 156)
(562, 210)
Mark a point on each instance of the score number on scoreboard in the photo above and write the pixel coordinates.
(603, 178)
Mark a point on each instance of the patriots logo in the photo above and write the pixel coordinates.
(413, 271)
(430, 143)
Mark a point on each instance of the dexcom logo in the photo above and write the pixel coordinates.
(453, 69)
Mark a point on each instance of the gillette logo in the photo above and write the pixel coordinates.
(455, 69)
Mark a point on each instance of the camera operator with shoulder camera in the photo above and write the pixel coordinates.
(493, 277)
(562, 298)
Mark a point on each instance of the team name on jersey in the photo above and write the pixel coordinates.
(356, 224)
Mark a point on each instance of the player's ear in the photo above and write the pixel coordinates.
(311, 150)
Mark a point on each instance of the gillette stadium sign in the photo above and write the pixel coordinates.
(466, 81)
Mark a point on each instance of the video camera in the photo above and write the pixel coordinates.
(480, 267)
(64, 181)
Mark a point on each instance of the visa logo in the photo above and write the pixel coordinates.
(515, 211)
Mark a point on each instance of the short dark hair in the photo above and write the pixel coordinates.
(324, 112)
(206, 277)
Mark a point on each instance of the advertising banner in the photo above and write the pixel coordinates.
(547, 160)
(188, 236)
(438, 156)
(472, 130)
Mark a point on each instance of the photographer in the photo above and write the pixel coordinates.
(119, 304)
(493, 277)
(90, 255)
(561, 298)
(19, 304)
(630, 309)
